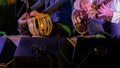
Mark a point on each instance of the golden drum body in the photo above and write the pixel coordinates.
(38, 25)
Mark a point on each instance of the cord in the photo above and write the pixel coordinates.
(41, 51)
(79, 65)
(61, 52)
(20, 10)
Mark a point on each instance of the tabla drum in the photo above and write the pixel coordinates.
(40, 25)
(79, 20)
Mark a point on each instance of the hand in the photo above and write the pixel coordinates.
(25, 15)
(105, 11)
(34, 13)
(88, 7)
(38, 14)
(91, 11)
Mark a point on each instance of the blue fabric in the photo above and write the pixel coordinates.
(96, 26)
(115, 30)
(59, 10)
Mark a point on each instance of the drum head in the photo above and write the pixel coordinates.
(79, 24)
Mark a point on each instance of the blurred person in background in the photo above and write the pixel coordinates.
(106, 19)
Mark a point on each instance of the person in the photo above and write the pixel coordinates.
(107, 20)
(59, 11)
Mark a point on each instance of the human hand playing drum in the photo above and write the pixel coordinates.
(23, 19)
(38, 24)
(37, 14)
(22, 24)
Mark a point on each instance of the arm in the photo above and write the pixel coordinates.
(116, 13)
(116, 17)
(38, 4)
(56, 6)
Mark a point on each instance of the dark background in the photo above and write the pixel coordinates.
(8, 19)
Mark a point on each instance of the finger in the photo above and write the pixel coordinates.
(101, 15)
(32, 14)
(104, 6)
(100, 10)
(24, 15)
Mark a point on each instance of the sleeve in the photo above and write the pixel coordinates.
(116, 17)
(116, 13)
(55, 6)
(38, 4)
